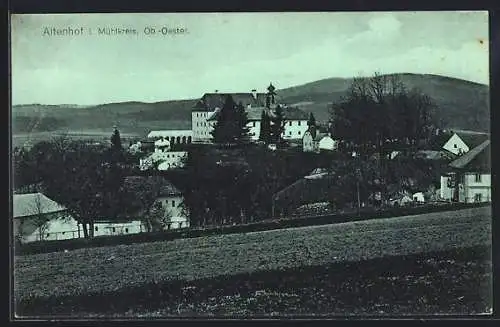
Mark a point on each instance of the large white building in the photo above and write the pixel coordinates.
(205, 112)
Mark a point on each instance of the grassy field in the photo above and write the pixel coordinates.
(99, 279)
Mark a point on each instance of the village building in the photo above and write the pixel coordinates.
(38, 218)
(169, 196)
(315, 141)
(327, 143)
(163, 160)
(462, 142)
(103, 227)
(469, 177)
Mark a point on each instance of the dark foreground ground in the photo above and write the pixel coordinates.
(456, 282)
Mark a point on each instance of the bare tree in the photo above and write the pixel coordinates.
(39, 217)
(158, 218)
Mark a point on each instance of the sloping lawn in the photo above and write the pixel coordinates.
(45, 280)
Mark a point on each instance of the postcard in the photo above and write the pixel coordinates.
(250, 165)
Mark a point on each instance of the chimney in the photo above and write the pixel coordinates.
(254, 94)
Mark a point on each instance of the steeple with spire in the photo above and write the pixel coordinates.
(270, 96)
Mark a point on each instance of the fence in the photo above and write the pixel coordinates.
(54, 246)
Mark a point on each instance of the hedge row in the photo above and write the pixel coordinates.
(71, 244)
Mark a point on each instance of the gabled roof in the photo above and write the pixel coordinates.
(437, 142)
(255, 114)
(165, 187)
(477, 158)
(472, 139)
(210, 101)
(306, 190)
(31, 204)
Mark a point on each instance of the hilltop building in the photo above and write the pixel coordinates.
(205, 112)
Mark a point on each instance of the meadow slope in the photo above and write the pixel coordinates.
(112, 269)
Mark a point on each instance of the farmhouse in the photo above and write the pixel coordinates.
(205, 113)
(167, 194)
(118, 227)
(463, 142)
(469, 177)
(38, 218)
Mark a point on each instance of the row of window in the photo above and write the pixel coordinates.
(175, 156)
(477, 179)
(113, 229)
(173, 203)
(202, 114)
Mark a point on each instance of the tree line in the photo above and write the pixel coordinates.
(380, 114)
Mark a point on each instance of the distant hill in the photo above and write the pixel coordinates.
(461, 104)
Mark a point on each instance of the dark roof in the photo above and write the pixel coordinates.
(255, 113)
(305, 191)
(437, 142)
(210, 101)
(478, 158)
(165, 187)
(473, 139)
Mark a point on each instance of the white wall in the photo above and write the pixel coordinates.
(455, 145)
(254, 129)
(327, 143)
(200, 126)
(57, 229)
(122, 228)
(482, 186)
(176, 136)
(308, 142)
(468, 188)
(172, 159)
(446, 193)
(295, 129)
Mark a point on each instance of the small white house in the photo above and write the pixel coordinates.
(38, 218)
(327, 143)
(418, 197)
(108, 228)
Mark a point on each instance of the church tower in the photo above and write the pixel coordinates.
(271, 96)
